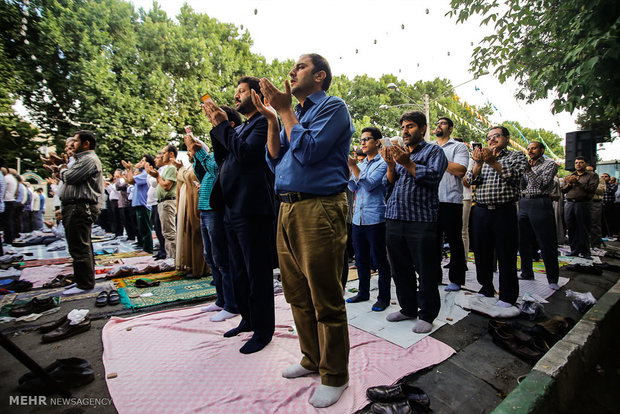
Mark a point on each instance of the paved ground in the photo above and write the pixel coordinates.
(475, 380)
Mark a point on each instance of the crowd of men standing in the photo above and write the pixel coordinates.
(270, 191)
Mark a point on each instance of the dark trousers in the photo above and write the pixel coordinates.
(8, 221)
(216, 256)
(250, 241)
(537, 224)
(145, 233)
(78, 220)
(496, 231)
(450, 223)
(578, 222)
(156, 223)
(26, 221)
(117, 226)
(369, 246)
(125, 214)
(412, 247)
(609, 220)
(17, 219)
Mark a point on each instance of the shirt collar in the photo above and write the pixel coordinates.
(311, 100)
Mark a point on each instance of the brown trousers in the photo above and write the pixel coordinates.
(311, 238)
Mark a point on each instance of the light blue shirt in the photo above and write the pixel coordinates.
(2, 189)
(369, 205)
(451, 186)
(315, 159)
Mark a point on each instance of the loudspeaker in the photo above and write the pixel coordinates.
(581, 143)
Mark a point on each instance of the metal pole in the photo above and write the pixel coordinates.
(427, 134)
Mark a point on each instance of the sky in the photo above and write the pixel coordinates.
(412, 39)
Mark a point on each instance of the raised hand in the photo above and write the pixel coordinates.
(265, 109)
(400, 155)
(214, 113)
(279, 100)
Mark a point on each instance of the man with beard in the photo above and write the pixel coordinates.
(450, 218)
(415, 170)
(579, 188)
(536, 215)
(309, 158)
(497, 176)
(244, 191)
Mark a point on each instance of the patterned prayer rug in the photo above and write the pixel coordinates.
(151, 277)
(132, 297)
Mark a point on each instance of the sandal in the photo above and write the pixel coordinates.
(114, 298)
(102, 299)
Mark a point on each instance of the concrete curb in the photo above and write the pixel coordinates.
(550, 386)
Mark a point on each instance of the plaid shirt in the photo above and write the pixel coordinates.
(83, 180)
(417, 198)
(610, 193)
(539, 180)
(503, 188)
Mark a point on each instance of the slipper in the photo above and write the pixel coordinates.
(102, 299)
(141, 283)
(114, 298)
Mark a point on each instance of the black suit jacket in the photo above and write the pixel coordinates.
(244, 183)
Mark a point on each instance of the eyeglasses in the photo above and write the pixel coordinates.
(365, 139)
(496, 136)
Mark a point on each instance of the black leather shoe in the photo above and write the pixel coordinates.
(68, 363)
(66, 330)
(397, 392)
(36, 305)
(66, 375)
(50, 326)
(399, 407)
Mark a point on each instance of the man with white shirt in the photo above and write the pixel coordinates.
(10, 205)
(450, 218)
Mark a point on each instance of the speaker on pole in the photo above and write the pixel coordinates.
(581, 143)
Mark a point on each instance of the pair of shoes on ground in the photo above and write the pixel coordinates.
(59, 281)
(107, 298)
(143, 283)
(378, 306)
(62, 328)
(36, 305)
(68, 373)
(399, 398)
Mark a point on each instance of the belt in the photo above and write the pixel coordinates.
(536, 196)
(166, 199)
(78, 201)
(495, 206)
(574, 200)
(296, 196)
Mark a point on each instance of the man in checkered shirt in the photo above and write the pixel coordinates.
(497, 173)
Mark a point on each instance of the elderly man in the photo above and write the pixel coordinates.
(497, 176)
(536, 215)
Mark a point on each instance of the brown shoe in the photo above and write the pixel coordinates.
(36, 305)
(66, 330)
(50, 326)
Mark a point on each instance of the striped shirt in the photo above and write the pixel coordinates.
(539, 180)
(417, 198)
(503, 188)
(205, 169)
(83, 180)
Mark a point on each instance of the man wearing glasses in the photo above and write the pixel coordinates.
(497, 175)
(450, 218)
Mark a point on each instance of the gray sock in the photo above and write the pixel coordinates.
(325, 395)
(397, 316)
(422, 327)
(296, 371)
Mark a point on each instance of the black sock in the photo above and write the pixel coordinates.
(243, 327)
(254, 345)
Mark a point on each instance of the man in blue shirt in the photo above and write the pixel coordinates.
(450, 218)
(140, 193)
(309, 159)
(411, 229)
(369, 219)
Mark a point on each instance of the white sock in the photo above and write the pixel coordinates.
(296, 371)
(74, 291)
(325, 395)
(503, 304)
(211, 308)
(554, 286)
(422, 326)
(397, 316)
(222, 316)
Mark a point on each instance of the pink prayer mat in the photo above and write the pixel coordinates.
(177, 361)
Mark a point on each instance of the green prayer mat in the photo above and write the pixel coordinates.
(167, 292)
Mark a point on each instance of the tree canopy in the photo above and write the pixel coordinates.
(569, 48)
(135, 78)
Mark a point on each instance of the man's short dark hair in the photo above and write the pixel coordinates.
(505, 131)
(233, 114)
(414, 116)
(253, 82)
(374, 131)
(171, 148)
(149, 159)
(580, 158)
(448, 120)
(87, 136)
(321, 64)
(539, 144)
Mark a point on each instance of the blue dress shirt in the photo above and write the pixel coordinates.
(416, 198)
(140, 190)
(451, 186)
(315, 159)
(369, 206)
